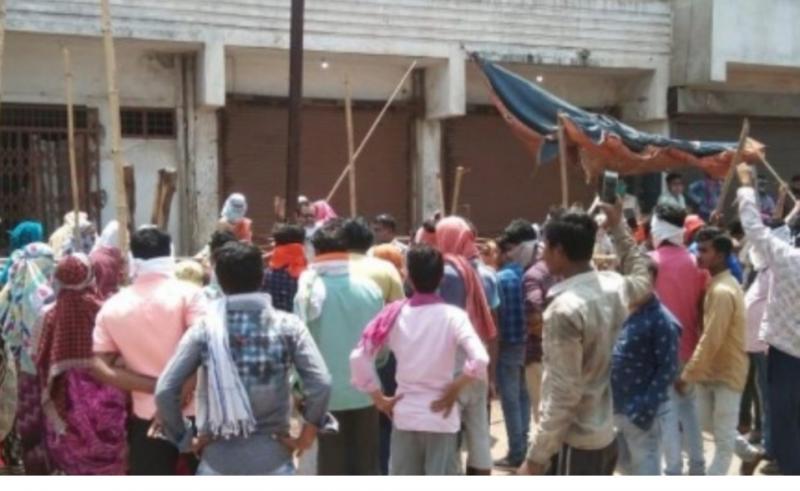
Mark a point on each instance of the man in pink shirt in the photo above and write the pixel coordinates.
(424, 333)
(680, 285)
(141, 326)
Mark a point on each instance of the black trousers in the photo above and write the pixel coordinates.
(571, 461)
(354, 450)
(152, 456)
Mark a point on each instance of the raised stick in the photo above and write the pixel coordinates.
(73, 165)
(562, 161)
(348, 116)
(460, 171)
(116, 135)
(737, 157)
(778, 178)
(371, 130)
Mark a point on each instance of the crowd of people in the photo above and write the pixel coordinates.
(612, 340)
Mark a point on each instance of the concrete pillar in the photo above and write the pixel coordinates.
(206, 176)
(211, 75)
(427, 167)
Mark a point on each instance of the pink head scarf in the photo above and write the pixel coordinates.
(455, 236)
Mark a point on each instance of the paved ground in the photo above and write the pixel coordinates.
(500, 446)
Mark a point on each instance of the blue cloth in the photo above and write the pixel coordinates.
(640, 450)
(452, 288)
(645, 362)
(259, 353)
(784, 406)
(514, 399)
(512, 304)
(734, 266)
(23, 234)
(281, 286)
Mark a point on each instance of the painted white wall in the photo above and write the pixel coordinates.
(33, 73)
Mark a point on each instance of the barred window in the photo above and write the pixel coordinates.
(147, 122)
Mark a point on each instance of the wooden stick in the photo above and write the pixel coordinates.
(168, 179)
(154, 218)
(73, 165)
(460, 171)
(737, 157)
(371, 130)
(774, 173)
(116, 134)
(348, 116)
(562, 161)
(130, 193)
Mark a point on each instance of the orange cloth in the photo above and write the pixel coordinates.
(289, 256)
(692, 224)
(243, 230)
(390, 253)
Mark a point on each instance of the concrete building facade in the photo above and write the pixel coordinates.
(222, 69)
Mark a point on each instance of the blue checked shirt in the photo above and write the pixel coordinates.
(281, 286)
(513, 329)
(259, 353)
(645, 362)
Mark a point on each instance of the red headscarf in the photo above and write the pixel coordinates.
(692, 224)
(107, 263)
(456, 240)
(66, 340)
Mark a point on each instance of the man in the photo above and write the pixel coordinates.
(286, 263)
(719, 364)
(358, 240)
(244, 340)
(337, 305)
(781, 331)
(141, 326)
(704, 195)
(470, 285)
(212, 291)
(512, 330)
(680, 285)
(674, 194)
(385, 229)
(425, 334)
(575, 435)
(308, 220)
(645, 364)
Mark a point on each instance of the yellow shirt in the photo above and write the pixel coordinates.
(720, 354)
(383, 273)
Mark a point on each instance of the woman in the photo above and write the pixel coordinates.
(107, 261)
(23, 234)
(21, 304)
(84, 419)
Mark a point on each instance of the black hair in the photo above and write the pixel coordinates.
(425, 267)
(239, 267)
(735, 228)
(429, 226)
(674, 215)
(520, 230)
(287, 233)
(505, 243)
(219, 239)
(718, 239)
(357, 235)
(330, 237)
(150, 242)
(672, 176)
(574, 232)
(386, 220)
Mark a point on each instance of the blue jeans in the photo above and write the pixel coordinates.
(514, 398)
(681, 429)
(640, 450)
(784, 408)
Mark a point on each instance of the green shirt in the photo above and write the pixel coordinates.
(351, 301)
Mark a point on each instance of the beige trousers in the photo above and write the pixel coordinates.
(533, 376)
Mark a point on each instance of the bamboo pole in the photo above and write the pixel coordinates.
(73, 165)
(562, 161)
(348, 115)
(460, 171)
(737, 157)
(116, 134)
(778, 178)
(371, 130)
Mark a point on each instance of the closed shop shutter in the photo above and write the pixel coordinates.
(503, 182)
(254, 136)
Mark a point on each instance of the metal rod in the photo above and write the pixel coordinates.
(371, 130)
(295, 103)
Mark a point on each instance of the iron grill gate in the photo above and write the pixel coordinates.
(34, 165)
